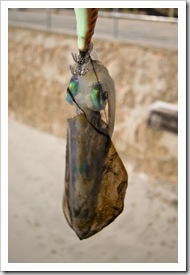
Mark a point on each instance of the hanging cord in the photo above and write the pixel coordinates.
(86, 21)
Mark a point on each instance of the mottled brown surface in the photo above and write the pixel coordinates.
(39, 75)
(96, 179)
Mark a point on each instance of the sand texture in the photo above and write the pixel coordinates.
(145, 232)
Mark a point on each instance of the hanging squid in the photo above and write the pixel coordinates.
(96, 179)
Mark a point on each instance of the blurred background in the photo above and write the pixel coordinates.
(139, 48)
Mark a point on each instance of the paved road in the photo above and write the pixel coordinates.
(153, 34)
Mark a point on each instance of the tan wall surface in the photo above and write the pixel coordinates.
(39, 75)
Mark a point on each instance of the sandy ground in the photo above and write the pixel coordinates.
(145, 232)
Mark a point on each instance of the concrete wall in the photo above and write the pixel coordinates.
(39, 75)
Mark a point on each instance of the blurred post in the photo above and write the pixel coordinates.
(171, 12)
(115, 22)
(48, 19)
(163, 116)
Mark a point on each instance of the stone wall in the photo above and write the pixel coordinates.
(39, 74)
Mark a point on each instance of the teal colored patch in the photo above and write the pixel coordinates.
(97, 95)
(84, 168)
(69, 98)
(73, 89)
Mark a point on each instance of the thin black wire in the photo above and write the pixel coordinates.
(99, 84)
(94, 126)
